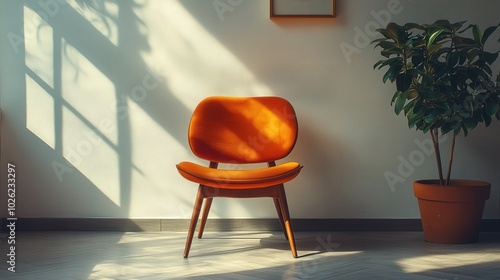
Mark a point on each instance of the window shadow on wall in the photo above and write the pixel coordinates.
(84, 62)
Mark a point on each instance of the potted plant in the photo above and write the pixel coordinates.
(444, 84)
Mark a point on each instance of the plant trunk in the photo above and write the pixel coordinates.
(448, 175)
(435, 141)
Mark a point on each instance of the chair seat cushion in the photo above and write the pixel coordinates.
(239, 179)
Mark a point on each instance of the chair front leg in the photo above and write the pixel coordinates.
(286, 220)
(194, 219)
(206, 209)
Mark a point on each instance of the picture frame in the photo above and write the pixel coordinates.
(302, 8)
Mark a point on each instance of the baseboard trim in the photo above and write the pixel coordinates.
(177, 225)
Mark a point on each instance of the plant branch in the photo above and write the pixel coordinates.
(448, 174)
(435, 141)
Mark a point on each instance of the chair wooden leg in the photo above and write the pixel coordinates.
(280, 216)
(204, 215)
(286, 219)
(194, 219)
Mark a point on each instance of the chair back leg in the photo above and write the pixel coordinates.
(280, 215)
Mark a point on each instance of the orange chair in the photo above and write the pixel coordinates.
(241, 130)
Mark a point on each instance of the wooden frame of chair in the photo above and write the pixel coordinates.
(207, 194)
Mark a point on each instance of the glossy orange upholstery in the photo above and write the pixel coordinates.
(239, 179)
(241, 130)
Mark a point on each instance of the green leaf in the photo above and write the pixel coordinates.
(390, 61)
(468, 108)
(417, 60)
(462, 57)
(487, 119)
(387, 45)
(477, 34)
(419, 108)
(456, 26)
(393, 32)
(403, 81)
(465, 131)
(431, 117)
(467, 28)
(434, 36)
(471, 55)
(470, 124)
(389, 53)
(487, 69)
(452, 59)
(416, 113)
(409, 107)
(491, 108)
(396, 95)
(379, 63)
(431, 50)
(389, 34)
(442, 23)
(446, 127)
(413, 119)
(400, 102)
(487, 33)
(490, 57)
(393, 72)
(412, 93)
(378, 40)
(411, 25)
(427, 127)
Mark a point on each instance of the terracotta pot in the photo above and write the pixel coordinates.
(451, 214)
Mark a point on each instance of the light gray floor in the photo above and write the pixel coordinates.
(248, 255)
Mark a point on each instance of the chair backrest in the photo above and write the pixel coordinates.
(243, 129)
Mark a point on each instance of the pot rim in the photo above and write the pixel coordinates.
(454, 183)
(458, 190)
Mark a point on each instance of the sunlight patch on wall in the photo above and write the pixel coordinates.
(88, 91)
(195, 63)
(40, 112)
(39, 61)
(39, 46)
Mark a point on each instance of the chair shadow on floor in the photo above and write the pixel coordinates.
(309, 244)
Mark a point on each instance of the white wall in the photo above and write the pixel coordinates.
(96, 101)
